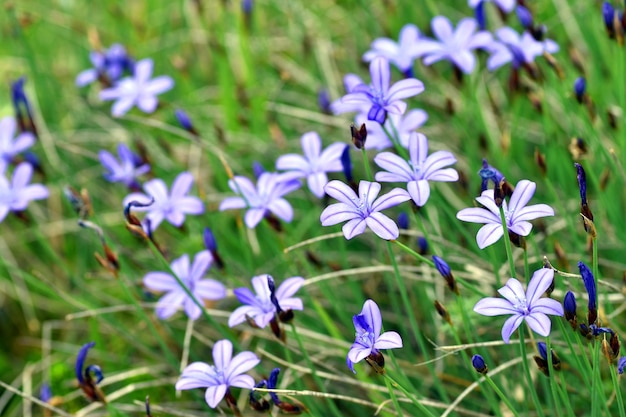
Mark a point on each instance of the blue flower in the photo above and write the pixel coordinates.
(108, 66)
(368, 339)
(126, 170)
(380, 97)
(139, 90)
(11, 145)
(526, 306)
(401, 53)
(621, 364)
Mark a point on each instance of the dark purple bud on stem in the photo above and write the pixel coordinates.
(580, 86)
(590, 286)
(479, 364)
(444, 269)
(148, 414)
(525, 17)
(185, 121)
(403, 220)
(498, 192)
(323, 101)
(257, 169)
(569, 306)
(608, 14)
(481, 17)
(422, 245)
(272, 382)
(377, 361)
(359, 136)
(443, 312)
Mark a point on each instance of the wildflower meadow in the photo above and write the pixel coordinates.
(325, 208)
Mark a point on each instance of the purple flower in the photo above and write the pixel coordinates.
(10, 146)
(362, 210)
(84, 374)
(315, 163)
(453, 45)
(15, 195)
(529, 306)
(191, 276)
(516, 214)
(127, 170)
(379, 96)
(260, 307)
(138, 90)
(420, 169)
(227, 372)
(368, 340)
(350, 81)
(401, 53)
(504, 5)
(403, 125)
(110, 64)
(171, 206)
(516, 49)
(266, 196)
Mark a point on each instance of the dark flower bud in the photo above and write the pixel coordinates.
(446, 273)
(569, 306)
(403, 220)
(539, 33)
(148, 413)
(621, 364)
(615, 345)
(85, 380)
(580, 86)
(517, 240)
(422, 245)
(525, 17)
(488, 173)
(479, 364)
(185, 121)
(257, 169)
(257, 402)
(346, 163)
(543, 351)
(209, 240)
(481, 17)
(359, 136)
(608, 14)
(376, 361)
(443, 312)
(323, 101)
(590, 286)
(498, 192)
(23, 113)
(246, 6)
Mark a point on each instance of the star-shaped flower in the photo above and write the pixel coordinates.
(529, 306)
(380, 96)
(363, 210)
(516, 213)
(11, 145)
(172, 206)
(350, 81)
(315, 163)
(15, 195)
(191, 276)
(139, 90)
(109, 64)
(127, 170)
(453, 45)
(518, 50)
(506, 6)
(260, 307)
(403, 125)
(265, 197)
(401, 53)
(228, 371)
(368, 340)
(420, 169)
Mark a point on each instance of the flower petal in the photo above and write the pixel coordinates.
(209, 289)
(442, 28)
(214, 394)
(292, 162)
(358, 352)
(510, 325)
(241, 313)
(338, 213)
(241, 363)
(388, 340)
(540, 323)
(353, 227)
(311, 145)
(379, 71)
(513, 292)
(404, 89)
(547, 306)
(254, 217)
(478, 215)
(282, 209)
(341, 192)
(316, 183)
(242, 381)
(532, 212)
(222, 353)
(398, 169)
(524, 191)
(169, 303)
(488, 235)
(391, 199)
(383, 226)
(539, 283)
(232, 203)
(419, 191)
(159, 85)
(289, 287)
(491, 306)
(371, 313)
(160, 281)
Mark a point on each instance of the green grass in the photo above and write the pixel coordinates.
(251, 91)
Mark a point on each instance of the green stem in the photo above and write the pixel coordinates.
(507, 243)
(394, 399)
(366, 164)
(531, 387)
(395, 141)
(526, 266)
(551, 381)
(500, 394)
(618, 391)
(425, 411)
(413, 253)
(310, 364)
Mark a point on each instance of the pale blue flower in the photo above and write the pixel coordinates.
(526, 306)
(15, 195)
(11, 145)
(126, 170)
(401, 53)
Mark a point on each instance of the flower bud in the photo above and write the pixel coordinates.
(479, 364)
(359, 136)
